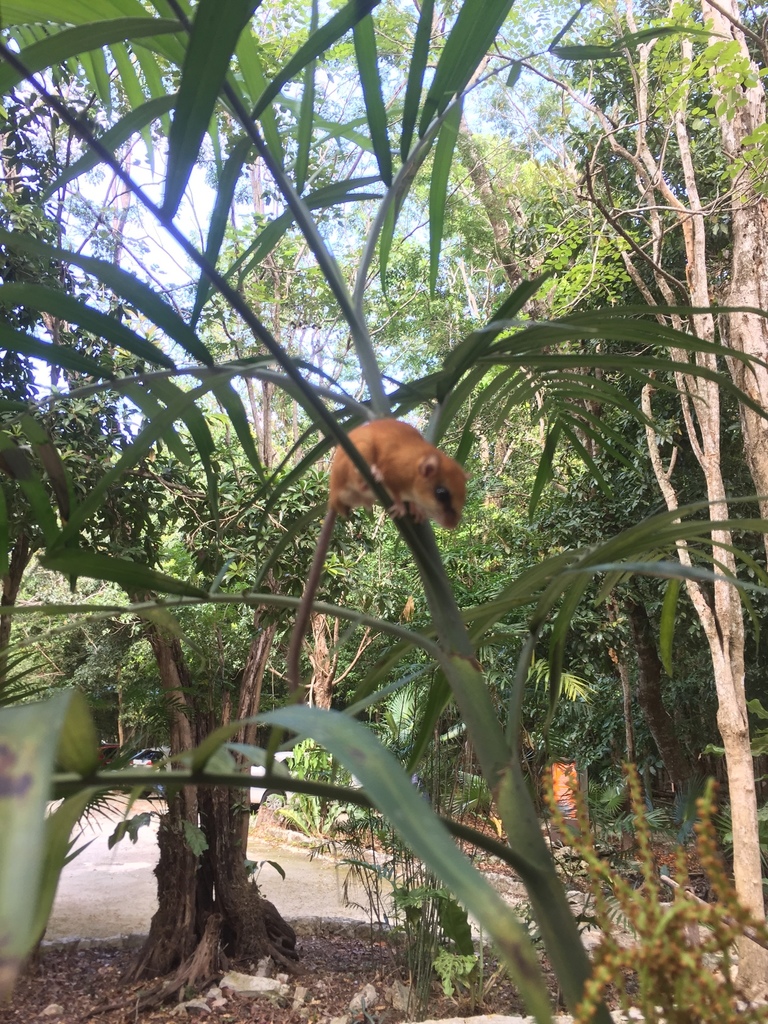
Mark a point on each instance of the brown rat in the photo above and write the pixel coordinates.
(421, 479)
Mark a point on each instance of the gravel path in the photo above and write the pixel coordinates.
(104, 893)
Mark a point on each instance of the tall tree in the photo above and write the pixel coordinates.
(639, 148)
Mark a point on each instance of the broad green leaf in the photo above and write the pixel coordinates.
(132, 576)
(175, 397)
(52, 355)
(335, 129)
(562, 32)
(585, 52)
(58, 852)
(757, 708)
(58, 477)
(134, 121)
(667, 625)
(195, 838)
(57, 48)
(28, 735)
(129, 827)
(238, 417)
(645, 35)
(385, 245)
(227, 184)
(438, 188)
(16, 463)
(368, 69)
(125, 285)
(415, 82)
(455, 924)
(514, 74)
(78, 749)
(57, 303)
(321, 198)
(466, 354)
(154, 81)
(71, 12)
(134, 92)
(250, 67)
(212, 42)
(154, 429)
(384, 780)
(544, 472)
(306, 114)
(95, 69)
(438, 699)
(470, 39)
(318, 43)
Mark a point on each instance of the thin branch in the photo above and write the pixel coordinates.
(613, 221)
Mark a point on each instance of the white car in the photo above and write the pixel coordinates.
(260, 793)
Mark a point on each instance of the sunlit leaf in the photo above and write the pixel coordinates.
(57, 48)
(416, 69)
(368, 68)
(134, 121)
(212, 41)
(133, 577)
(438, 187)
(389, 787)
(318, 43)
(470, 39)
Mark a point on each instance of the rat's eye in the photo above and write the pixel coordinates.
(443, 495)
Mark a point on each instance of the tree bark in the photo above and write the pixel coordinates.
(626, 695)
(649, 697)
(21, 552)
(720, 612)
(194, 893)
(746, 332)
(323, 664)
(721, 619)
(249, 701)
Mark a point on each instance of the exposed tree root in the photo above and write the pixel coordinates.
(195, 972)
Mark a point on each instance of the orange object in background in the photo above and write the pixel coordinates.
(565, 783)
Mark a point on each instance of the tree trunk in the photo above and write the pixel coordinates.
(746, 332)
(248, 705)
(721, 619)
(206, 904)
(323, 663)
(626, 700)
(21, 552)
(649, 697)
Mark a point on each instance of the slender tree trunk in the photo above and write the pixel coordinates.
(249, 702)
(747, 333)
(323, 664)
(721, 619)
(626, 700)
(21, 552)
(173, 934)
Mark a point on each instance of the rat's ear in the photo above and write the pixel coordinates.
(429, 465)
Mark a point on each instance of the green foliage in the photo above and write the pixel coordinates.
(667, 972)
(313, 816)
(195, 838)
(455, 971)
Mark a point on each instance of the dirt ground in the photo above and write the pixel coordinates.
(109, 896)
(107, 893)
